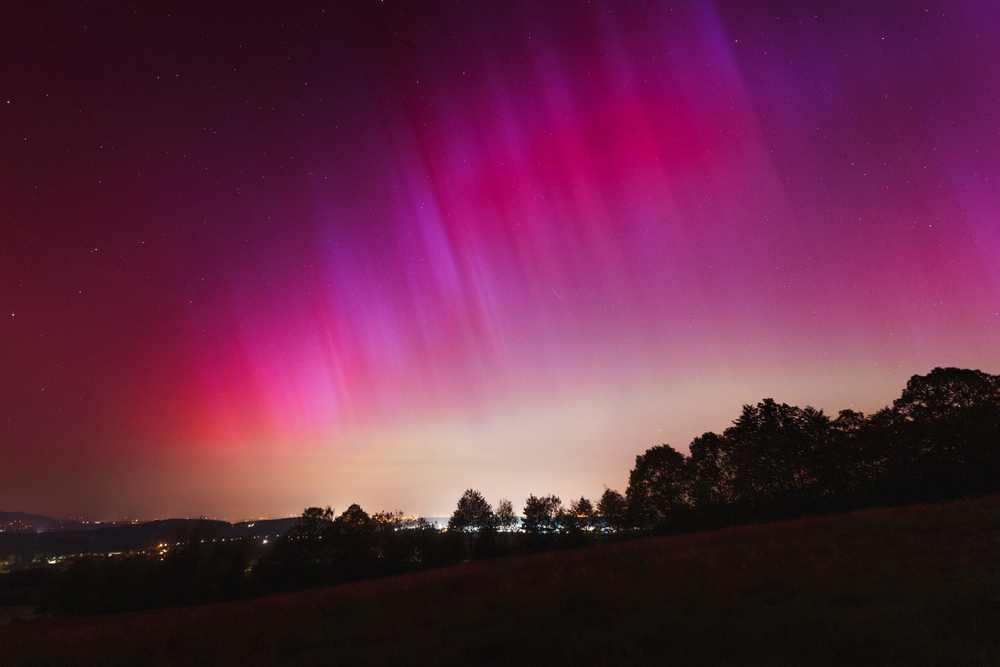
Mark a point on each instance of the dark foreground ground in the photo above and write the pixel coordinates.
(912, 586)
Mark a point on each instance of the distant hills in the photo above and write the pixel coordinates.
(30, 536)
(25, 537)
(35, 523)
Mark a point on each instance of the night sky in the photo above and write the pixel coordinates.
(256, 256)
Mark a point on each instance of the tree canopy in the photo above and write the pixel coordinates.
(473, 513)
(940, 439)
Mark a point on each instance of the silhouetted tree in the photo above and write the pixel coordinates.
(657, 486)
(849, 465)
(305, 555)
(391, 548)
(945, 432)
(580, 517)
(945, 393)
(613, 510)
(541, 515)
(710, 471)
(577, 523)
(354, 544)
(472, 514)
(354, 520)
(506, 519)
(773, 451)
(313, 523)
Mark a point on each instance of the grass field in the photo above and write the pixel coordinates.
(911, 586)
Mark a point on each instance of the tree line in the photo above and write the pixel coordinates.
(939, 440)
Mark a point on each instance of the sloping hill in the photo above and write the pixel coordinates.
(910, 586)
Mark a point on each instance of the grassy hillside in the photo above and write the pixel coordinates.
(911, 586)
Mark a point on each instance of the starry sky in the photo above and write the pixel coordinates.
(256, 256)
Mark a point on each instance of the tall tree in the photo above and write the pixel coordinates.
(946, 428)
(774, 451)
(612, 510)
(710, 472)
(313, 524)
(657, 486)
(945, 393)
(506, 519)
(473, 513)
(541, 515)
(580, 517)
